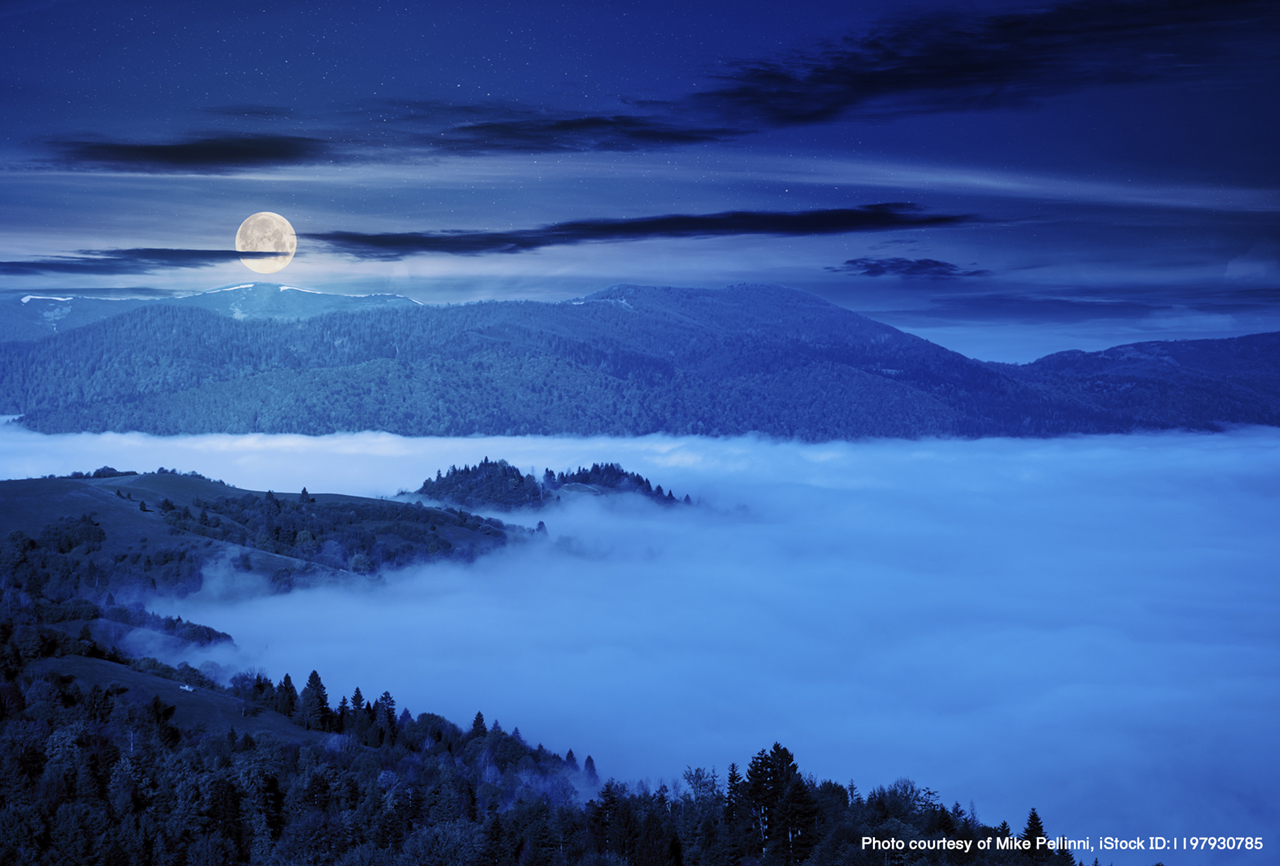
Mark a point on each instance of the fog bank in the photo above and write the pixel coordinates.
(1084, 625)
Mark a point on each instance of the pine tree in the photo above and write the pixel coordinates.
(313, 705)
(286, 697)
(340, 719)
(759, 798)
(779, 806)
(1034, 829)
(733, 793)
(1030, 833)
(478, 728)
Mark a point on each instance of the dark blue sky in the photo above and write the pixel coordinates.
(1005, 178)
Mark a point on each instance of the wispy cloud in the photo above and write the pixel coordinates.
(495, 127)
(931, 63)
(207, 154)
(876, 217)
(899, 267)
(951, 61)
(134, 261)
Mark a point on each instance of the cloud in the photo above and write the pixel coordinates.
(135, 261)
(900, 267)
(495, 127)
(583, 133)
(956, 62)
(209, 154)
(876, 217)
(415, 132)
(930, 63)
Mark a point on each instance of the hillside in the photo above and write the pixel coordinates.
(498, 484)
(133, 535)
(626, 361)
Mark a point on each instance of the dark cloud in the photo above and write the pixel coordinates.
(213, 154)
(952, 61)
(135, 261)
(930, 63)
(899, 267)
(464, 130)
(499, 127)
(585, 133)
(876, 217)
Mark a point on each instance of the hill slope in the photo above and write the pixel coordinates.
(162, 532)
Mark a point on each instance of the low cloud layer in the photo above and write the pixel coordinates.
(1081, 625)
(875, 217)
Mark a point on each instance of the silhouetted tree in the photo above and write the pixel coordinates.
(286, 697)
(313, 705)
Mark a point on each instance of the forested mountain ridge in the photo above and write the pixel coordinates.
(498, 484)
(625, 361)
(32, 317)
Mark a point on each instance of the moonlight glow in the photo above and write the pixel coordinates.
(266, 232)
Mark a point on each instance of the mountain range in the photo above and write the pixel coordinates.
(31, 317)
(629, 360)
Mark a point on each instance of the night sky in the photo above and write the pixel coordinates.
(1007, 179)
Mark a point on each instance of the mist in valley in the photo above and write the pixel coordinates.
(1083, 625)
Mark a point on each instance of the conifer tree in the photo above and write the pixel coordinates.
(1030, 833)
(1034, 829)
(733, 792)
(286, 697)
(313, 705)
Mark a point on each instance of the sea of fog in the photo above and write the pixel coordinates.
(1085, 625)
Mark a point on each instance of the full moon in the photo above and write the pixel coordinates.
(266, 232)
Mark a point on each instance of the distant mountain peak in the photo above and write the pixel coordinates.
(34, 316)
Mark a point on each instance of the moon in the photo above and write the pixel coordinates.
(266, 232)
